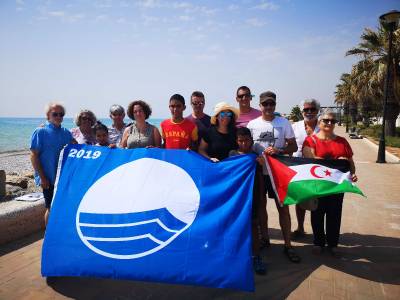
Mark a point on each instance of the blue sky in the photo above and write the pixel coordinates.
(92, 54)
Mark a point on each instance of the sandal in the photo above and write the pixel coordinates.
(291, 255)
(264, 243)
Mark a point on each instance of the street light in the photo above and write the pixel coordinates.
(389, 21)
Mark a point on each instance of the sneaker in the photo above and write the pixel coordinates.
(259, 266)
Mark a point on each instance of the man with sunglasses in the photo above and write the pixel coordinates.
(274, 135)
(303, 128)
(46, 144)
(202, 120)
(247, 113)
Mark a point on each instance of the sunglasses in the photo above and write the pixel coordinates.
(308, 110)
(198, 103)
(225, 114)
(329, 121)
(56, 114)
(244, 96)
(265, 104)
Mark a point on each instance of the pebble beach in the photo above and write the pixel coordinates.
(16, 162)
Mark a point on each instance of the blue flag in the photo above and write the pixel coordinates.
(152, 215)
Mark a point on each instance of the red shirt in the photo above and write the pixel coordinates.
(178, 135)
(330, 149)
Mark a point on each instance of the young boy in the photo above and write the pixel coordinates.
(177, 132)
(245, 143)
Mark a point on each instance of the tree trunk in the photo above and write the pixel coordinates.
(392, 112)
(353, 113)
(392, 106)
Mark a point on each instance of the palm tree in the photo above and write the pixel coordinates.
(369, 72)
(345, 96)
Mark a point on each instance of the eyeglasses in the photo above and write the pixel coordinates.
(225, 114)
(329, 121)
(84, 118)
(265, 104)
(244, 96)
(56, 114)
(197, 103)
(308, 110)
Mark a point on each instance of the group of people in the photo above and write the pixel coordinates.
(229, 131)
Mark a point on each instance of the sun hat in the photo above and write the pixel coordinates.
(223, 106)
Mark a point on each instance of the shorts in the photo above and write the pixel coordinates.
(48, 195)
(268, 187)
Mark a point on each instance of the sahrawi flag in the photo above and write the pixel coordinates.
(152, 215)
(296, 180)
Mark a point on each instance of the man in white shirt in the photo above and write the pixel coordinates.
(274, 135)
(302, 129)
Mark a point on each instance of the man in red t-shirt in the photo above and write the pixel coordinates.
(177, 132)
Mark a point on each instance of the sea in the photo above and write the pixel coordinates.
(15, 133)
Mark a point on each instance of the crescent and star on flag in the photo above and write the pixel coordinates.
(313, 172)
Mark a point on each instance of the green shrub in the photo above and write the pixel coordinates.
(374, 131)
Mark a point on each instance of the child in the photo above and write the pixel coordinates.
(245, 143)
(101, 133)
(177, 132)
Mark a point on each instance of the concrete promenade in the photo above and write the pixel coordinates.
(368, 269)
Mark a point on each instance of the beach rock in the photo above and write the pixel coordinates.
(2, 183)
(20, 181)
(28, 174)
(14, 191)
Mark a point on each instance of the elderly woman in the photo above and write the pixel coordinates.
(326, 145)
(140, 134)
(302, 129)
(117, 128)
(83, 134)
(220, 138)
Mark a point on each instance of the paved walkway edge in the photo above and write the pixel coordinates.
(387, 153)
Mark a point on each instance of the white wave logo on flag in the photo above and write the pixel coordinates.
(137, 209)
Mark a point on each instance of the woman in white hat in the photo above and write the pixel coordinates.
(221, 137)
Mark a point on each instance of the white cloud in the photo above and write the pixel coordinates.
(262, 53)
(121, 21)
(255, 22)
(205, 57)
(266, 5)
(100, 18)
(147, 20)
(182, 5)
(58, 13)
(103, 4)
(185, 18)
(149, 4)
(233, 7)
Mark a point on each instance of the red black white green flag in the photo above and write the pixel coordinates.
(296, 179)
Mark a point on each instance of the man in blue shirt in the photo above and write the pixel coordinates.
(46, 144)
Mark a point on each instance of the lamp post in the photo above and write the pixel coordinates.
(346, 112)
(389, 21)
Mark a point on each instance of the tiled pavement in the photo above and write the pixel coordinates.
(368, 269)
